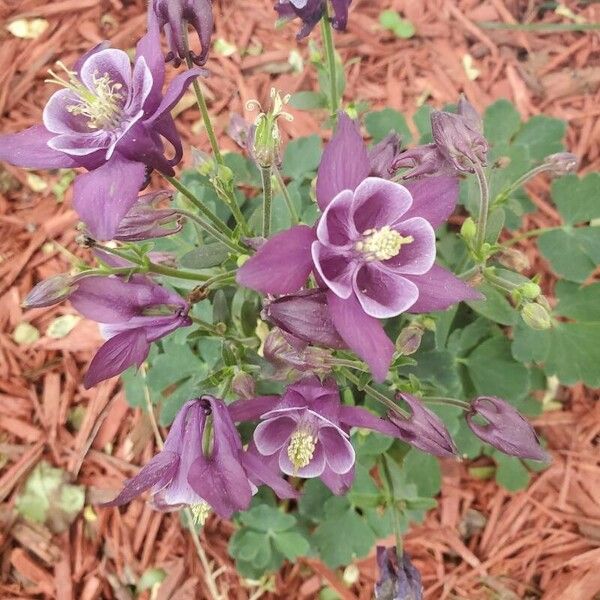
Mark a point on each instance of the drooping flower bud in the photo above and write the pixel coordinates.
(562, 163)
(536, 316)
(145, 221)
(409, 340)
(384, 154)
(50, 291)
(306, 316)
(172, 16)
(505, 428)
(423, 429)
(243, 385)
(459, 137)
(397, 581)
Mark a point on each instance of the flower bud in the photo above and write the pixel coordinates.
(409, 340)
(423, 429)
(530, 290)
(506, 429)
(536, 316)
(50, 291)
(243, 385)
(423, 161)
(397, 581)
(305, 315)
(144, 221)
(383, 155)
(172, 16)
(513, 259)
(468, 230)
(562, 163)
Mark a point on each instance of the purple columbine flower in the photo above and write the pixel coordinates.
(397, 580)
(505, 428)
(110, 118)
(133, 313)
(373, 249)
(423, 429)
(172, 16)
(200, 472)
(145, 220)
(383, 155)
(51, 291)
(311, 12)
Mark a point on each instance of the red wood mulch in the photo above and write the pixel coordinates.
(481, 542)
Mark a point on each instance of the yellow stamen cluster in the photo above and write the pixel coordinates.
(200, 512)
(102, 106)
(301, 448)
(382, 244)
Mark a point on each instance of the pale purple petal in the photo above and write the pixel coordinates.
(112, 62)
(379, 202)
(116, 355)
(57, 117)
(418, 256)
(335, 269)
(83, 144)
(338, 484)
(141, 87)
(336, 226)
(262, 472)
(363, 334)
(272, 434)
(383, 293)
(313, 469)
(251, 409)
(439, 289)
(355, 416)
(104, 196)
(434, 199)
(339, 452)
(282, 265)
(30, 149)
(149, 48)
(344, 164)
(158, 471)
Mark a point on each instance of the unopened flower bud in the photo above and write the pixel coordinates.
(243, 385)
(423, 161)
(530, 290)
(513, 259)
(398, 580)
(50, 291)
(423, 429)
(505, 428)
(409, 340)
(536, 316)
(562, 163)
(383, 155)
(468, 230)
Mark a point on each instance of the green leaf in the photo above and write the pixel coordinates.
(542, 136)
(510, 472)
(291, 544)
(306, 100)
(311, 504)
(162, 374)
(133, 383)
(302, 157)
(204, 257)
(381, 123)
(495, 306)
(501, 121)
(401, 28)
(494, 371)
(424, 471)
(267, 518)
(577, 199)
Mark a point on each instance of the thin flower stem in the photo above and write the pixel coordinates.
(265, 173)
(212, 138)
(388, 485)
(529, 234)
(373, 393)
(224, 239)
(222, 227)
(448, 402)
(219, 278)
(515, 185)
(484, 205)
(500, 282)
(330, 53)
(178, 273)
(286, 196)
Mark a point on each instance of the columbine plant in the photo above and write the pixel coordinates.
(336, 332)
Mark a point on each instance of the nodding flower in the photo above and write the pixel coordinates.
(310, 12)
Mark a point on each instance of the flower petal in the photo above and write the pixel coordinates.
(58, 118)
(379, 202)
(363, 334)
(439, 289)
(272, 434)
(339, 452)
(335, 268)
(112, 62)
(104, 196)
(251, 409)
(434, 199)
(336, 226)
(418, 256)
(383, 293)
(29, 148)
(282, 265)
(313, 469)
(261, 471)
(344, 164)
(338, 484)
(355, 416)
(160, 469)
(117, 354)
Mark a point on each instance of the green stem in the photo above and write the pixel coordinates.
(388, 485)
(484, 205)
(210, 229)
(222, 227)
(265, 173)
(219, 278)
(330, 53)
(202, 103)
(529, 234)
(286, 196)
(515, 185)
(500, 282)
(448, 402)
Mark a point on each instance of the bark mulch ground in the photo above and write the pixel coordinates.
(481, 542)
